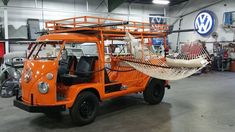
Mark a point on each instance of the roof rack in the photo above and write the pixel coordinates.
(110, 27)
(41, 42)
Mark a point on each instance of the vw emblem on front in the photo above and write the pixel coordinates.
(204, 23)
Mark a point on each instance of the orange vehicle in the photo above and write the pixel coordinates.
(54, 81)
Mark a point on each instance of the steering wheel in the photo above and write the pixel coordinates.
(63, 62)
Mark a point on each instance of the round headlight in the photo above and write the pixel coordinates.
(43, 87)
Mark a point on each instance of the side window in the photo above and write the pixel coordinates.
(84, 49)
(89, 49)
(48, 51)
(117, 48)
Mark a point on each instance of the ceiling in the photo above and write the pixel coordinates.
(172, 2)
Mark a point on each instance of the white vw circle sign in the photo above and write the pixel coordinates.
(204, 23)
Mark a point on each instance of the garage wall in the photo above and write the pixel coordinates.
(188, 21)
(20, 10)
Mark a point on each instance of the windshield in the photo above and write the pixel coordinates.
(50, 51)
(44, 51)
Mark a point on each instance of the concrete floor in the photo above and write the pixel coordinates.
(204, 103)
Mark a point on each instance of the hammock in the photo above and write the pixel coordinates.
(192, 58)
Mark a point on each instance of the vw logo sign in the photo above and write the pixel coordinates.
(204, 23)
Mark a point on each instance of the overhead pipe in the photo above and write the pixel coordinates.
(178, 36)
(209, 5)
(182, 31)
(107, 24)
(201, 8)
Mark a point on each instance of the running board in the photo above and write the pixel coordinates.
(113, 88)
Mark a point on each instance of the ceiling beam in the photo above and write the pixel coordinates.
(113, 4)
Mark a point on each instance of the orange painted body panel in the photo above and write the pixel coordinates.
(39, 70)
(71, 92)
(69, 37)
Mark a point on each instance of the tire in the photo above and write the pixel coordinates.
(84, 109)
(154, 92)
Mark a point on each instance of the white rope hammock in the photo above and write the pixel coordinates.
(192, 58)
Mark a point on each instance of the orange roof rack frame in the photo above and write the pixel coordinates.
(109, 26)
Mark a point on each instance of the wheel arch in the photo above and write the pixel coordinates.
(92, 90)
(153, 81)
(74, 92)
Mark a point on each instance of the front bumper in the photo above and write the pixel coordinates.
(38, 109)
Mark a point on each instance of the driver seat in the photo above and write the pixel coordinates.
(83, 72)
(66, 65)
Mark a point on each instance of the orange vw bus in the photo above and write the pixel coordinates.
(55, 79)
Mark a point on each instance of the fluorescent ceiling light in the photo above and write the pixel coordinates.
(161, 2)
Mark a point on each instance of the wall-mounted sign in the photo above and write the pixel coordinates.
(204, 23)
(155, 20)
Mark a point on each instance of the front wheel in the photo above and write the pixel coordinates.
(154, 92)
(85, 108)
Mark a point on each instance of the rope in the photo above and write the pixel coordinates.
(108, 69)
(121, 70)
